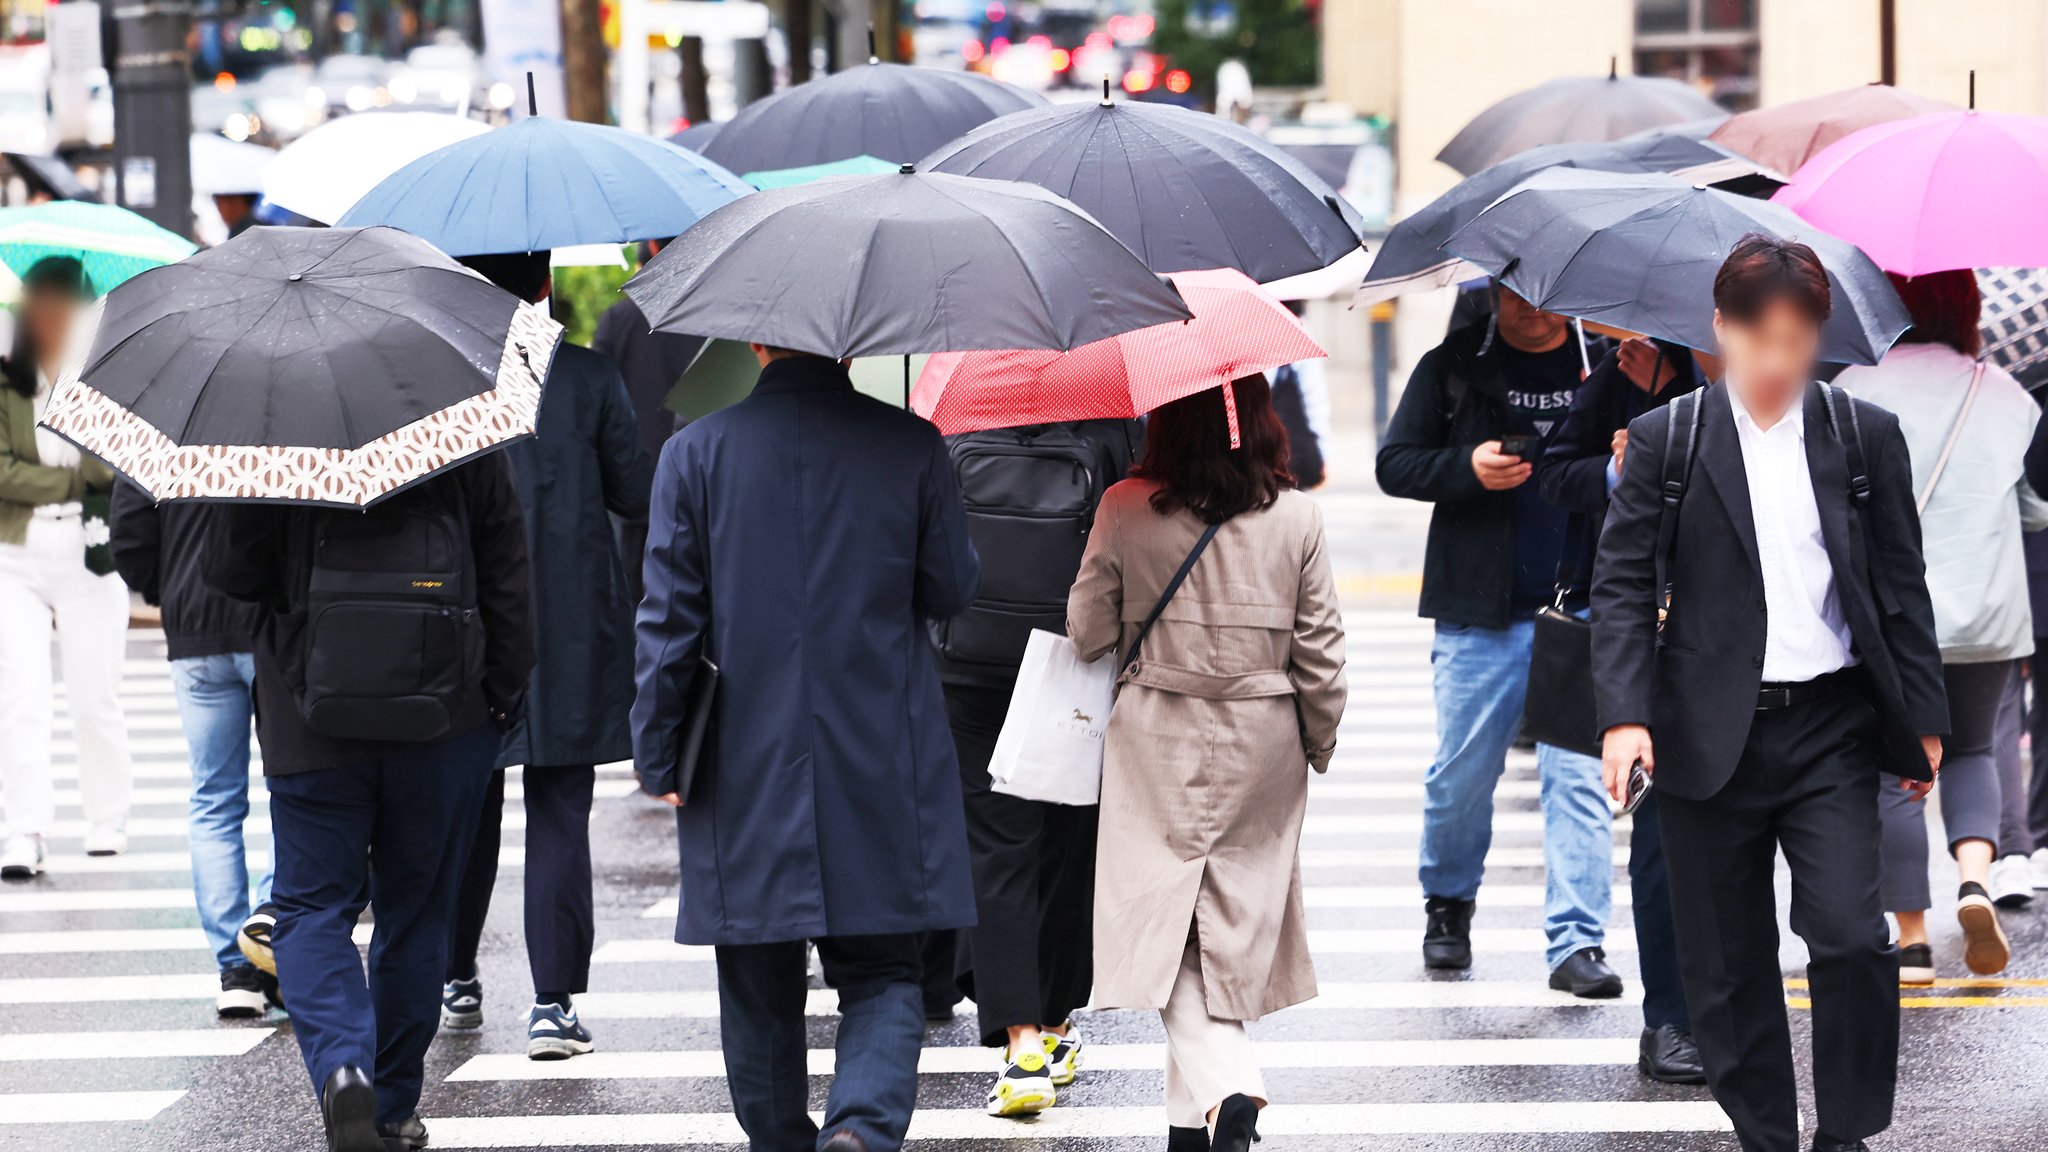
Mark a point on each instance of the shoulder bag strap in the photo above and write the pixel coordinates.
(1685, 410)
(1172, 586)
(1852, 444)
(1955, 433)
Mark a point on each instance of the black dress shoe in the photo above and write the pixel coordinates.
(1669, 1055)
(1585, 974)
(843, 1141)
(1447, 941)
(1822, 1142)
(348, 1107)
(1187, 1140)
(1237, 1124)
(408, 1135)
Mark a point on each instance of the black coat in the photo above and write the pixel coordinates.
(584, 462)
(263, 553)
(1695, 683)
(651, 363)
(158, 550)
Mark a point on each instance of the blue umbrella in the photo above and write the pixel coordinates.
(540, 183)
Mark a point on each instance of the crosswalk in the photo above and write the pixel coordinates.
(102, 960)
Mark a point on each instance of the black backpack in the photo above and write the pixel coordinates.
(1031, 495)
(392, 639)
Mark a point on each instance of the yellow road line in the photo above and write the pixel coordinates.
(1967, 982)
(1803, 1002)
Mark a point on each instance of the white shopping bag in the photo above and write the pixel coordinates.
(1050, 748)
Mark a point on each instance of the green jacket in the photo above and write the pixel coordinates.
(25, 481)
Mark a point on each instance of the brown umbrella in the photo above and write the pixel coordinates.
(1786, 135)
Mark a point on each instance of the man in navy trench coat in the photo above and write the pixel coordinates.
(799, 539)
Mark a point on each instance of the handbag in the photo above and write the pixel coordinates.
(1559, 708)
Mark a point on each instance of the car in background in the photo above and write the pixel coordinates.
(350, 83)
(444, 76)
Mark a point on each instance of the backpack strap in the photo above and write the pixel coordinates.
(1172, 586)
(1852, 444)
(1686, 413)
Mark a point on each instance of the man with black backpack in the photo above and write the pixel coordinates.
(1031, 495)
(394, 649)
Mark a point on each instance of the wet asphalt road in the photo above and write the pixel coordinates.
(1385, 1060)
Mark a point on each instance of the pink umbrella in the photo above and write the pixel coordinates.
(1950, 190)
(1239, 329)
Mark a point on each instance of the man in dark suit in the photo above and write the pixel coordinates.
(1796, 663)
(799, 540)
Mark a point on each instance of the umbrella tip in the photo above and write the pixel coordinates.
(296, 277)
(1105, 89)
(532, 100)
(907, 170)
(873, 57)
(1614, 67)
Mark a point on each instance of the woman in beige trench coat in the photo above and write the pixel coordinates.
(1235, 695)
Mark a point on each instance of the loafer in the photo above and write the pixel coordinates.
(1668, 1054)
(408, 1135)
(348, 1110)
(1585, 974)
(1447, 940)
(1916, 965)
(1825, 1143)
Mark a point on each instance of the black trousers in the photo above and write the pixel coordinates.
(1805, 783)
(561, 925)
(1030, 956)
(1656, 939)
(2037, 735)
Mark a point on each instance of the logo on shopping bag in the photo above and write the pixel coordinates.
(1079, 723)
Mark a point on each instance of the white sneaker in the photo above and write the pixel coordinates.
(105, 840)
(21, 858)
(1025, 1087)
(2037, 864)
(2012, 881)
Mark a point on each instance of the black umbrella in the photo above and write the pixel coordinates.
(903, 263)
(1183, 189)
(894, 112)
(314, 365)
(1411, 258)
(1639, 252)
(1573, 109)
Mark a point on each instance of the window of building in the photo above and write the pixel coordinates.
(1711, 44)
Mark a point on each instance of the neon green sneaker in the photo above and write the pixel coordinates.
(1024, 1089)
(1063, 1054)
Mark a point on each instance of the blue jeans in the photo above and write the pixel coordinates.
(214, 706)
(1481, 676)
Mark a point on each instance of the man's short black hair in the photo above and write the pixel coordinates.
(523, 274)
(1761, 269)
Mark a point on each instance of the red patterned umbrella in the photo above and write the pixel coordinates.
(1239, 329)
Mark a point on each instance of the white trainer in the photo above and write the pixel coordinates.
(2012, 881)
(21, 858)
(105, 840)
(2037, 864)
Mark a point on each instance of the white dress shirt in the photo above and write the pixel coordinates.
(1805, 635)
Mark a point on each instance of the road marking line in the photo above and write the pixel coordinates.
(35, 1047)
(83, 1107)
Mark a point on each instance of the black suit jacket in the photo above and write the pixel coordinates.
(1695, 684)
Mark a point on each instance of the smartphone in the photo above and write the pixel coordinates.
(1522, 445)
(1638, 788)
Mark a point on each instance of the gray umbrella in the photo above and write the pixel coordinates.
(1573, 109)
(1411, 258)
(903, 263)
(1639, 252)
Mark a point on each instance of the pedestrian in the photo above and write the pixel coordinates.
(1580, 466)
(1236, 694)
(2012, 877)
(583, 466)
(1028, 961)
(346, 593)
(54, 574)
(1967, 426)
(1301, 395)
(2035, 546)
(798, 540)
(210, 640)
(1795, 663)
(1465, 437)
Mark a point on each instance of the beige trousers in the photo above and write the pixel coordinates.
(1206, 1059)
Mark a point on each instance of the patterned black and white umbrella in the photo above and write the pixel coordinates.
(328, 366)
(2014, 323)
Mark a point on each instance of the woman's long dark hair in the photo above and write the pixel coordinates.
(52, 274)
(1188, 453)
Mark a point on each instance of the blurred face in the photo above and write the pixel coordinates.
(48, 316)
(1769, 360)
(1526, 326)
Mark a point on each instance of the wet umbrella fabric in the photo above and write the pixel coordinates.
(1573, 109)
(897, 112)
(697, 137)
(1411, 258)
(1639, 252)
(1786, 136)
(312, 365)
(1183, 189)
(541, 183)
(893, 265)
(112, 243)
(322, 174)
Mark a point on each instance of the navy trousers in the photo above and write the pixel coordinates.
(1656, 939)
(398, 830)
(561, 925)
(761, 992)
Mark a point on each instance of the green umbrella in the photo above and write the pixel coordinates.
(113, 243)
(791, 177)
(725, 371)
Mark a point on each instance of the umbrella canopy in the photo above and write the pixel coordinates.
(1786, 136)
(1934, 193)
(1573, 109)
(2014, 323)
(311, 365)
(322, 174)
(1639, 253)
(1183, 189)
(542, 183)
(891, 265)
(224, 167)
(1238, 330)
(897, 112)
(113, 243)
(1412, 259)
(791, 177)
(697, 136)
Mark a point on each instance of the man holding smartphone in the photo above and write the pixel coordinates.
(1466, 437)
